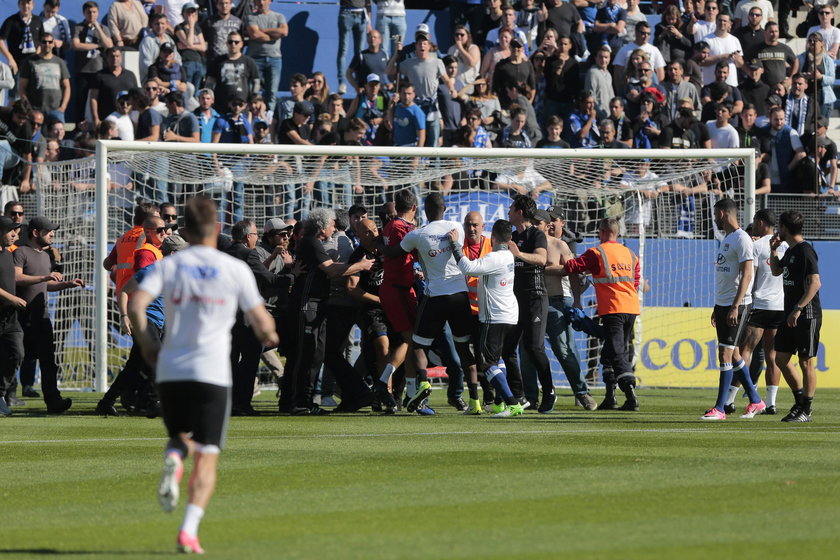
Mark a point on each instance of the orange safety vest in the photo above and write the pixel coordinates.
(472, 281)
(614, 282)
(155, 251)
(130, 241)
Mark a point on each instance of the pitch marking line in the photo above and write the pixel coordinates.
(449, 433)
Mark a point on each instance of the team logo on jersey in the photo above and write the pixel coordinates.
(503, 283)
(720, 258)
(725, 247)
(436, 252)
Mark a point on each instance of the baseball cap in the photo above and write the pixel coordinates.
(189, 6)
(6, 224)
(755, 64)
(372, 78)
(515, 42)
(167, 47)
(822, 121)
(774, 100)
(42, 223)
(123, 93)
(304, 108)
(556, 212)
(423, 30)
(173, 244)
(541, 216)
(275, 224)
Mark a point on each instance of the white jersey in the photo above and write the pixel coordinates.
(443, 277)
(496, 301)
(768, 292)
(202, 288)
(737, 247)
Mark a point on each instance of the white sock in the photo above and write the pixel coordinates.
(411, 387)
(192, 517)
(386, 374)
(733, 392)
(771, 394)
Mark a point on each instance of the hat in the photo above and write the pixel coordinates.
(275, 224)
(173, 244)
(541, 216)
(423, 30)
(167, 47)
(755, 64)
(822, 121)
(654, 93)
(6, 224)
(556, 212)
(123, 93)
(774, 100)
(189, 6)
(42, 223)
(515, 42)
(304, 108)
(372, 78)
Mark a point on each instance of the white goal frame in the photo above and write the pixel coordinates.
(105, 147)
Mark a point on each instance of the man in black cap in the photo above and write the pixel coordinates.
(34, 278)
(11, 336)
(754, 90)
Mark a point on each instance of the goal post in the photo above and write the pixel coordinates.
(589, 184)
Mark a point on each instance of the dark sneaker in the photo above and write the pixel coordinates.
(458, 403)
(346, 405)
(794, 412)
(61, 405)
(802, 416)
(609, 403)
(318, 411)
(300, 411)
(769, 410)
(29, 391)
(386, 399)
(586, 402)
(105, 409)
(631, 405)
(12, 400)
(4, 408)
(547, 402)
(424, 389)
(729, 408)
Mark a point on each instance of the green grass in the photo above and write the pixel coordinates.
(654, 484)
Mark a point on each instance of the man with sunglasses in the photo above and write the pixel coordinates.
(700, 28)
(746, 8)
(45, 81)
(234, 75)
(657, 61)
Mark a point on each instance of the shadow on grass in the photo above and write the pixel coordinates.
(53, 551)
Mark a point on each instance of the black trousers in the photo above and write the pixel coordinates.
(615, 354)
(11, 349)
(245, 351)
(533, 315)
(305, 353)
(340, 320)
(39, 344)
(136, 374)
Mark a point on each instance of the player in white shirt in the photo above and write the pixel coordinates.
(733, 286)
(203, 289)
(498, 310)
(446, 298)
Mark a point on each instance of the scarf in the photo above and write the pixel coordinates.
(27, 42)
(791, 106)
(90, 38)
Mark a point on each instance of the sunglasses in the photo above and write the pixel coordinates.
(35, 123)
(45, 42)
(233, 42)
(161, 229)
(826, 13)
(169, 216)
(755, 15)
(644, 70)
(16, 213)
(151, 89)
(323, 131)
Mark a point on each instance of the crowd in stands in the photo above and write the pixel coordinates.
(553, 74)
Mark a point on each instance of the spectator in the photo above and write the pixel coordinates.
(754, 90)
(644, 186)
(751, 34)
(151, 44)
(671, 37)
(693, 66)
(634, 17)
(785, 154)
(15, 145)
(257, 111)
(372, 60)
(821, 178)
(515, 135)
(583, 129)
(778, 59)
(390, 24)
(608, 27)
(233, 128)
(684, 132)
(606, 128)
(527, 21)
(192, 46)
(495, 55)
(492, 19)
(747, 7)
(623, 130)
(450, 107)
(57, 24)
(122, 116)
(562, 80)
(318, 92)
(297, 89)
(296, 130)
(723, 47)
(19, 35)
(799, 106)
(720, 91)
(515, 92)
(370, 103)
(154, 91)
(45, 80)
(180, 125)
(561, 16)
(643, 85)
(352, 18)
(265, 29)
(171, 9)
(410, 50)
(702, 28)
(676, 88)
(508, 22)
(234, 75)
(598, 80)
(217, 28)
(553, 134)
(206, 114)
(149, 186)
(166, 72)
(830, 33)
(481, 138)
(126, 20)
(751, 136)
(516, 68)
(816, 64)
(648, 125)
(467, 54)
(721, 132)
(640, 42)
(89, 38)
(407, 119)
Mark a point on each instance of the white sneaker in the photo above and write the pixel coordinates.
(170, 482)
(342, 88)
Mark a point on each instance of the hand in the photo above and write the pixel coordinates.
(13, 65)
(366, 263)
(358, 189)
(18, 302)
(732, 316)
(514, 248)
(169, 135)
(793, 318)
(270, 340)
(192, 17)
(286, 256)
(453, 235)
(76, 283)
(309, 187)
(53, 276)
(125, 325)
(775, 242)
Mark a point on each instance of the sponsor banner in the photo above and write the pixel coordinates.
(679, 348)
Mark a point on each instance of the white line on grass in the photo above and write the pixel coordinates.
(454, 433)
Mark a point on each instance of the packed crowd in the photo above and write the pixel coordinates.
(548, 74)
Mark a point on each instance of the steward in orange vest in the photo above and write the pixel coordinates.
(615, 272)
(120, 262)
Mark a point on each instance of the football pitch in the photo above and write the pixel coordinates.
(658, 483)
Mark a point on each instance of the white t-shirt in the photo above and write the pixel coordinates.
(443, 277)
(768, 292)
(703, 29)
(717, 46)
(735, 248)
(743, 10)
(124, 125)
(624, 53)
(831, 35)
(723, 137)
(496, 300)
(203, 288)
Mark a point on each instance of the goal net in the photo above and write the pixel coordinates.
(662, 198)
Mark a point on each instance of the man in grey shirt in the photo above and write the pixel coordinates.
(265, 29)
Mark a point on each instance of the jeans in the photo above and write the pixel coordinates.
(432, 133)
(54, 115)
(195, 70)
(8, 157)
(235, 214)
(562, 340)
(348, 22)
(269, 68)
(388, 26)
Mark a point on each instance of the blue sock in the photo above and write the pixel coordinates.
(499, 381)
(723, 386)
(743, 372)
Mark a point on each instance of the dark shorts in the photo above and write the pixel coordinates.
(766, 319)
(803, 339)
(727, 336)
(400, 306)
(374, 322)
(491, 340)
(435, 311)
(198, 408)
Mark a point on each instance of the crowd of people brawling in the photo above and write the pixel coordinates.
(548, 74)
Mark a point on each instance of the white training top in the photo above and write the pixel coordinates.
(735, 248)
(443, 277)
(768, 292)
(496, 301)
(202, 288)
